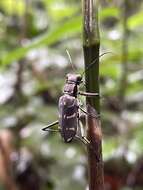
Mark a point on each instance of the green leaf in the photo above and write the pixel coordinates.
(13, 6)
(67, 29)
(111, 69)
(109, 12)
(62, 11)
(135, 20)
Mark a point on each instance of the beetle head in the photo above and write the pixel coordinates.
(74, 78)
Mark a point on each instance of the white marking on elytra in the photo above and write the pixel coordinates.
(71, 116)
(70, 129)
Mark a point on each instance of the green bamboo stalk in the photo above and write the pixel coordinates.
(91, 45)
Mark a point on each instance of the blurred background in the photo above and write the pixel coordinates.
(34, 35)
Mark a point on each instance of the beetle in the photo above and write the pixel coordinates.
(69, 115)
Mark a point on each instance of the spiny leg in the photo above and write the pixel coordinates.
(47, 128)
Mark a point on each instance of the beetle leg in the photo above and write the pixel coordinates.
(92, 115)
(81, 139)
(90, 94)
(80, 134)
(47, 128)
(83, 135)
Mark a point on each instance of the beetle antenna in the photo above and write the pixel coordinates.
(70, 60)
(92, 63)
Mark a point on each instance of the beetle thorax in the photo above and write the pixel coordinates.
(72, 82)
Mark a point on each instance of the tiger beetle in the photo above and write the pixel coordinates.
(69, 106)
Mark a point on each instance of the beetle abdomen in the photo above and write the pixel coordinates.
(68, 117)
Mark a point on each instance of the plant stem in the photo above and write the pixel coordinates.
(9, 182)
(91, 45)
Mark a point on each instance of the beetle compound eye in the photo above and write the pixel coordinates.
(79, 79)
